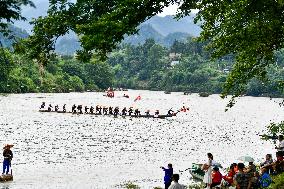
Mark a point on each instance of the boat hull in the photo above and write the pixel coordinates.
(5, 178)
(138, 116)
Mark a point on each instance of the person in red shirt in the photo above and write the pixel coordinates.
(229, 178)
(216, 177)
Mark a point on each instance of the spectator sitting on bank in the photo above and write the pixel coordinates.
(216, 177)
(175, 184)
(242, 179)
(265, 180)
(229, 178)
(255, 181)
(235, 167)
(267, 163)
(250, 169)
(278, 165)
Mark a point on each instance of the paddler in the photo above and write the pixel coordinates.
(92, 109)
(74, 108)
(79, 108)
(105, 110)
(147, 112)
(116, 111)
(49, 108)
(110, 110)
(56, 108)
(157, 112)
(86, 109)
(170, 112)
(64, 108)
(8, 156)
(42, 105)
(130, 111)
(123, 112)
(136, 112)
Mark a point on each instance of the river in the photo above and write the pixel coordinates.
(84, 151)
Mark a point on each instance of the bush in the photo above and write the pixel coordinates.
(278, 182)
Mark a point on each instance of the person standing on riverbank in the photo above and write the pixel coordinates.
(8, 155)
(168, 175)
(280, 147)
(175, 184)
(207, 168)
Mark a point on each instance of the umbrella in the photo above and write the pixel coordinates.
(246, 159)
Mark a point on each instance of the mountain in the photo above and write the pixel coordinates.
(166, 25)
(146, 31)
(16, 33)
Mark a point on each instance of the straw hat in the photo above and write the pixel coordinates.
(8, 146)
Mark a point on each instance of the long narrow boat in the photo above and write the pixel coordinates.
(5, 178)
(97, 114)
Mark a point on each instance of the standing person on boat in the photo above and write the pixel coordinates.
(49, 108)
(207, 168)
(175, 184)
(168, 175)
(8, 156)
(42, 105)
(280, 147)
(74, 108)
(64, 108)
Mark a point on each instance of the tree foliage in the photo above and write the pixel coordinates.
(11, 11)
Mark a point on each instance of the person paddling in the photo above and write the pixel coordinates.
(64, 108)
(49, 107)
(42, 105)
(8, 156)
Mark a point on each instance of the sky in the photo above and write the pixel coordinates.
(171, 10)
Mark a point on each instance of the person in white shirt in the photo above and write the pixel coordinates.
(280, 147)
(175, 184)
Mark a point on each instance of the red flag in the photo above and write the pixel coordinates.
(137, 98)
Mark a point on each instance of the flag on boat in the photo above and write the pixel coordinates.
(137, 98)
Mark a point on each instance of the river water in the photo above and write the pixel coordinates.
(85, 151)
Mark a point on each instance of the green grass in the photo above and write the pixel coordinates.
(278, 182)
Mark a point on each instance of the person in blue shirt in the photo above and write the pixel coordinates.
(264, 180)
(168, 175)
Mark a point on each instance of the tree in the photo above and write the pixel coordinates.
(11, 10)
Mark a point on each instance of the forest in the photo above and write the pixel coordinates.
(184, 66)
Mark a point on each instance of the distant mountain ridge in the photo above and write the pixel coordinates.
(164, 30)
